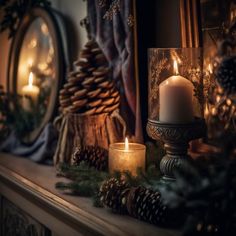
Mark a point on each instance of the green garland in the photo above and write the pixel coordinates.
(86, 181)
(200, 196)
(79, 174)
(206, 192)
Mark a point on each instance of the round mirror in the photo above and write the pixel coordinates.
(35, 70)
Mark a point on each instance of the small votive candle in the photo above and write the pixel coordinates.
(127, 156)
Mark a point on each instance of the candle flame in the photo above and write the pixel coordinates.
(126, 144)
(176, 71)
(31, 79)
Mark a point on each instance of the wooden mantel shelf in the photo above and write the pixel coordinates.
(31, 187)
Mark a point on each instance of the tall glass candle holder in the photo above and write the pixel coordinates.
(175, 102)
(161, 66)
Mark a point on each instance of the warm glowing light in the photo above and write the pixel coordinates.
(206, 112)
(33, 43)
(31, 91)
(42, 66)
(220, 90)
(126, 144)
(30, 62)
(214, 111)
(44, 29)
(31, 79)
(51, 51)
(176, 71)
(228, 102)
(210, 68)
(218, 98)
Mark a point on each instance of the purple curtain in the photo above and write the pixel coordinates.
(112, 25)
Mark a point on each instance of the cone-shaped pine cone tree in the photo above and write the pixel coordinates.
(94, 156)
(89, 89)
(226, 75)
(113, 194)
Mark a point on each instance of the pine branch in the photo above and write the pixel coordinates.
(85, 180)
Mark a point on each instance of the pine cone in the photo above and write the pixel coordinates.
(113, 194)
(89, 89)
(146, 204)
(94, 156)
(226, 75)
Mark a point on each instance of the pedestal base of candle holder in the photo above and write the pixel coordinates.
(176, 138)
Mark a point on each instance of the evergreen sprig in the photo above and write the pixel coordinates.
(206, 195)
(86, 181)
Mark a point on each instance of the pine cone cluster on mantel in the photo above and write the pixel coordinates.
(140, 202)
(94, 156)
(89, 89)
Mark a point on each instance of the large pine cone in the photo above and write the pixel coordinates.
(94, 156)
(226, 75)
(146, 204)
(113, 193)
(89, 89)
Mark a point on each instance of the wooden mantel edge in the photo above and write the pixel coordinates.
(76, 217)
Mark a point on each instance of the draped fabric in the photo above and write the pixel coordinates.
(112, 25)
(41, 150)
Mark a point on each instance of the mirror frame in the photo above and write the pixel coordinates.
(49, 18)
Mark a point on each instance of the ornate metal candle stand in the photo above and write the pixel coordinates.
(176, 138)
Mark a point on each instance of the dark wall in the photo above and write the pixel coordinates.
(158, 25)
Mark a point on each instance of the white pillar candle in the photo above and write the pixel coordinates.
(31, 91)
(176, 99)
(126, 156)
